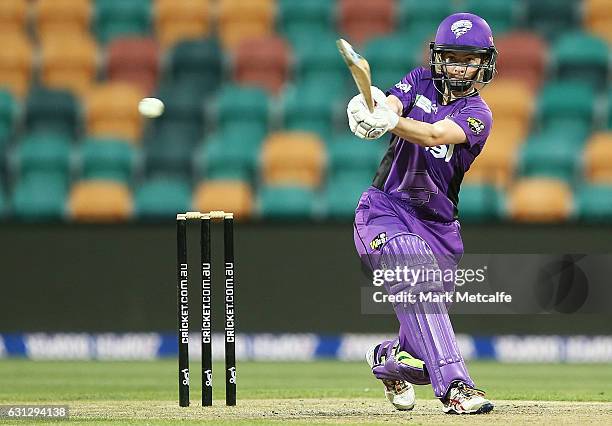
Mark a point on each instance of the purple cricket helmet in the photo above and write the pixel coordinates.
(466, 33)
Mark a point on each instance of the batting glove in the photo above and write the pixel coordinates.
(371, 125)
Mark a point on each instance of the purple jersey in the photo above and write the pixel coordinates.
(428, 179)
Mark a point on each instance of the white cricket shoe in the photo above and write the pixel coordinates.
(462, 399)
(400, 393)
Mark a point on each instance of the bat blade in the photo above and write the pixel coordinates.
(360, 70)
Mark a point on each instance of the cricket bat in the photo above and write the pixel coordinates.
(360, 69)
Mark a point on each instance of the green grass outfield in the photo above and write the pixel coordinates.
(316, 392)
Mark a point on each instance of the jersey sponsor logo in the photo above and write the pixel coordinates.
(378, 241)
(461, 27)
(442, 151)
(425, 104)
(417, 187)
(476, 125)
(404, 87)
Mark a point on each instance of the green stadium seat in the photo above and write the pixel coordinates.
(565, 102)
(594, 203)
(479, 203)
(423, 16)
(609, 103)
(551, 18)
(549, 157)
(228, 156)
(168, 157)
(286, 202)
(244, 108)
(317, 60)
(297, 19)
(52, 111)
(108, 159)
(42, 153)
(349, 154)
(162, 198)
(313, 107)
(199, 63)
(581, 56)
(118, 18)
(388, 66)
(501, 15)
(8, 114)
(343, 191)
(40, 196)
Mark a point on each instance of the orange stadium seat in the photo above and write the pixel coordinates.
(522, 56)
(496, 163)
(16, 63)
(262, 62)
(598, 18)
(62, 17)
(227, 195)
(185, 19)
(598, 158)
(511, 102)
(239, 19)
(540, 200)
(69, 63)
(13, 16)
(112, 111)
(100, 201)
(295, 158)
(134, 60)
(361, 20)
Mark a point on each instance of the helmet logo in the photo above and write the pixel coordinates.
(461, 27)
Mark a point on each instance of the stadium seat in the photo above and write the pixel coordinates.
(62, 18)
(107, 159)
(361, 20)
(392, 57)
(598, 158)
(523, 56)
(16, 64)
(39, 196)
(594, 203)
(342, 193)
(69, 62)
(133, 60)
(495, 164)
(598, 18)
(286, 202)
(552, 18)
(231, 156)
(8, 115)
(479, 203)
(293, 158)
(197, 62)
(239, 20)
(167, 156)
(540, 200)
(52, 111)
(121, 18)
(162, 198)
(567, 104)
(100, 201)
(501, 15)
(583, 57)
(349, 155)
(318, 61)
(182, 20)
(226, 195)
(243, 107)
(46, 153)
(551, 157)
(112, 111)
(262, 62)
(312, 107)
(512, 103)
(13, 16)
(299, 18)
(423, 16)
